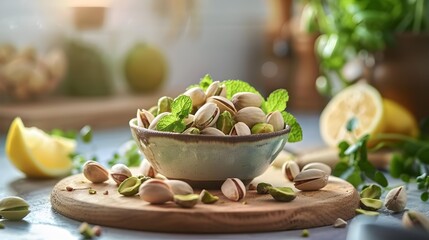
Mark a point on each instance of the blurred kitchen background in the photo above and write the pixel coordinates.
(71, 63)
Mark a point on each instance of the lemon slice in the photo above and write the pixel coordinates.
(399, 120)
(360, 101)
(38, 154)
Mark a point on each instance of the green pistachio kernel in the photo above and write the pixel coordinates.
(208, 198)
(262, 128)
(262, 188)
(130, 186)
(367, 213)
(186, 201)
(282, 194)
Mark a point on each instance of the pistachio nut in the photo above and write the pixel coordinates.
(311, 180)
(290, 169)
(207, 198)
(14, 208)
(216, 89)
(340, 223)
(186, 201)
(282, 194)
(146, 169)
(164, 104)
(153, 110)
(318, 165)
(155, 191)
(371, 204)
(262, 128)
(240, 129)
(233, 189)
(155, 121)
(144, 118)
(130, 186)
(189, 120)
(396, 199)
(276, 119)
(225, 122)
(95, 172)
(414, 219)
(366, 212)
(223, 104)
(119, 172)
(197, 96)
(371, 191)
(192, 130)
(250, 116)
(246, 99)
(263, 188)
(179, 187)
(212, 131)
(206, 116)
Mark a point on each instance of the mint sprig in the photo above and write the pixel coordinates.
(173, 122)
(295, 134)
(277, 101)
(236, 86)
(204, 83)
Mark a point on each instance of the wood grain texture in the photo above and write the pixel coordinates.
(259, 213)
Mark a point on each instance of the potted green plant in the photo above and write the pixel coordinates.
(386, 42)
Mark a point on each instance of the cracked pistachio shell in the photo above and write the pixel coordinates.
(155, 121)
(164, 104)
(290, 170)
(371, 191)
(250, 116)
(276, 119)
(414, 219)
(246, 99)
(144, 118)
(233, 189)
(223, 104)
(371, 204)
(260, 128)
(189, 120)
(197, 95)
(225, 122)
(155, 191)
(366, 212)
(263, 188)
(130, 186)
(311, 180)
(240, 129)
(396, 199)
(212, 131)
(119, 172)
(207, 198)
(282, 194)
(318, 165)
(216, 89)
(95, 172)
(146, 169)
(340, 223)
(186, 201)
(192, 130)
(153, 110)
(206, 116)
(14, 208)
(180, 187)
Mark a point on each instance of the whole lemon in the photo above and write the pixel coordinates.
(145, 68)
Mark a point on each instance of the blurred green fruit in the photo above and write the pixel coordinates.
(145, 68)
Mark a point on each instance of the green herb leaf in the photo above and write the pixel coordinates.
(206, 81)
(277, 101)
(86, 134)
(424, 196)
(343, 146)
(181, 106)
(66, 134)
(170, 123)
(295, 134)
(352, 124)
(380, 179)
(396, 167)
(236, 86)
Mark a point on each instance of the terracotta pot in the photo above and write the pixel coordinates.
(401, 73)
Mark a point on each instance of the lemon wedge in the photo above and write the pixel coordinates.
(38, 154)
(399, 120)
(360, 101)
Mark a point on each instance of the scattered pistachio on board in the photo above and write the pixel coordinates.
(207, 198)
(130, 186)
(282, 194)
(119, 172)
(186, 201)
(233, 189)
(13, 208)
(311, 180)
(95, 172)
(263, 188)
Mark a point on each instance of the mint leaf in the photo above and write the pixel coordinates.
(205, 82)
(170, 123)
(181, 106)
(236, 86)
(277, 101)
(295, 134)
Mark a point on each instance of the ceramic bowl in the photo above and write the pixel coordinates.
(206, 161)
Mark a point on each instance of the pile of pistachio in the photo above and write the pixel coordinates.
(212, 113)
(13, 208)
(311, 177)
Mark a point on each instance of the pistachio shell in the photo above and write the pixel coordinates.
(246, 99)
(276, 119)
(290, 170)
(207, 198)
(146, 169)
(223, 104)
(189, 120)
(164, 104)
(155, 121)
(311, 180)
(197, 96)
(260, 128)
(14, 215)
(144, 118)
(13, 208)
(370, 204)
(119, 172)
(186, 201)
(263, 188)
(130, 186)
(318, 165)
(366, 212)
(414, 219)
(225, 122)
(212, 131)
(240, 129)
(282, 194)
(396, 199)
(180, 187)
(340, 223)
(192, 130)
(233, 189)
(95, 172)
(206, 116)
(216, 89)
(371, 191)
(250, 116)
(153, 110)
(155, 191)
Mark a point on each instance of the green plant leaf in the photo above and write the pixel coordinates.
(170, 123)
(206, 81)
(424, 196)
(236, 86)
(343, 146)
(352, 124)
(340, 168)
(277, 101)
(380, 179)
(181, 106)
(86, 134)
(295, 134)
(423, 155)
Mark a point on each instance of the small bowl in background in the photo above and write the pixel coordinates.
(206, 161)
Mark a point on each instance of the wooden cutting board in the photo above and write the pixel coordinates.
(256, 213)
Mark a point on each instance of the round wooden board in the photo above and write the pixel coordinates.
(256, 213)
